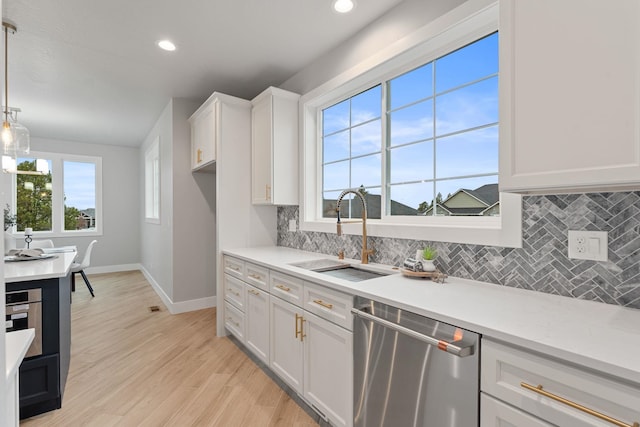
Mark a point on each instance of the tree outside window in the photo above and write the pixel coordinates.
(33, 198)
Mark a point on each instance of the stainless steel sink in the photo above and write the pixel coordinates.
(352, 274)
(341, 270)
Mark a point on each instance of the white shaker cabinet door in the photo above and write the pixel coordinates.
(286, 342)
(274, 148)
(328, 372)
(256, 314)
(569, 95)
(203, 136)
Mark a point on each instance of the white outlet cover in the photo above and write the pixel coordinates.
(589, 245)
(293, 225)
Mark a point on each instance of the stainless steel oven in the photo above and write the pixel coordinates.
(410, 370)
(23, 311)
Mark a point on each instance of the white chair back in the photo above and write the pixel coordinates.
(86, 261)
(40, 244)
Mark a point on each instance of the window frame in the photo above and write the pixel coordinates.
(456, 29)
(57, 195)
(152, 187)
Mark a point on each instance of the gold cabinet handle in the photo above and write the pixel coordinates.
(577, 406)
(284, 288)
(267, 192)
(199, 160)
(324, 304)
(235, 293)
(254, 292)
(233, 268)
(300, 330)
(255, 276)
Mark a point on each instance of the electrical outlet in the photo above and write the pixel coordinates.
(293, 225)
(589, 245)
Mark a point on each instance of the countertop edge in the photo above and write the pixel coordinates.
(16, 345)
(544, 338)
(24, 271)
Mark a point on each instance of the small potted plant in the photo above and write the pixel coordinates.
(9, 221)
(429, 253)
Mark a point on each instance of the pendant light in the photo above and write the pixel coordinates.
(14, 136)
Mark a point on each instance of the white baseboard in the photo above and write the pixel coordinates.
(178, 307)
(113, 268)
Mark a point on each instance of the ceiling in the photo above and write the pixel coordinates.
(90, 71)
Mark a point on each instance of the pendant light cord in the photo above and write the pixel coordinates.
(6, 74)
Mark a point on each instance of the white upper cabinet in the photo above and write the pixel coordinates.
(204, 123)
(570, 95)
(274, 148)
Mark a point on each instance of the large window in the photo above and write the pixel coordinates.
(435, 151)
(415, 129)
(66, 199)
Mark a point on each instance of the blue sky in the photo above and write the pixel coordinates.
(468, 111)
(80, 184)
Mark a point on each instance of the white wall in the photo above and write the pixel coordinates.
(156, 240)
(178, 253)
(194, 269)
(408, 16)
(120, 240)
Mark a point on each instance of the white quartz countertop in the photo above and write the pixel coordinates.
(598, 336)
(50, 268)
(16, 345)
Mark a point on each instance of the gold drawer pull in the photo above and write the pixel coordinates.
(199, 155)
(255, 276)
(324, 304)
(235, 293)
(230, 320)
(233, 268)
(577, 406)
(254, 292)
(284, 288)
(300, 332)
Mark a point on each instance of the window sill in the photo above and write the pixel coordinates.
(57, 234)
(505, 231)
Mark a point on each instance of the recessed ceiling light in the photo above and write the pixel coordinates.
(166, 45)
(343, 6)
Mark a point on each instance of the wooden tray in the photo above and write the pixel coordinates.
(433, 275)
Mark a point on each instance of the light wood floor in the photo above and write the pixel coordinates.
(134, 367)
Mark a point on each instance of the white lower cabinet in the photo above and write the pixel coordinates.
(256, 319)
(494, 413)
(234, 320)
(314, 356)
(328, 369)
(551, 390)
(287, 347)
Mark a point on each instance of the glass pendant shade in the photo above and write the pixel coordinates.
(15, 138)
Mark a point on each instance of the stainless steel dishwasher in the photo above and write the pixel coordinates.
(410, 370)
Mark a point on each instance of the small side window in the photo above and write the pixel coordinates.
(152, 182)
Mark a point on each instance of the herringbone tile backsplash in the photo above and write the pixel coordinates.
(541, 264)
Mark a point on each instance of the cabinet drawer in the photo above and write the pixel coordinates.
(286, 287)
(234, 320)
(257, 276)
(507, 370)
(329, 304)
(234, 291)
(234, 266)
(494, 413)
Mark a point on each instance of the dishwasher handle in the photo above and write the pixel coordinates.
(441, 344)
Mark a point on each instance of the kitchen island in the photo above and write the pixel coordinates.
(43, 373)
